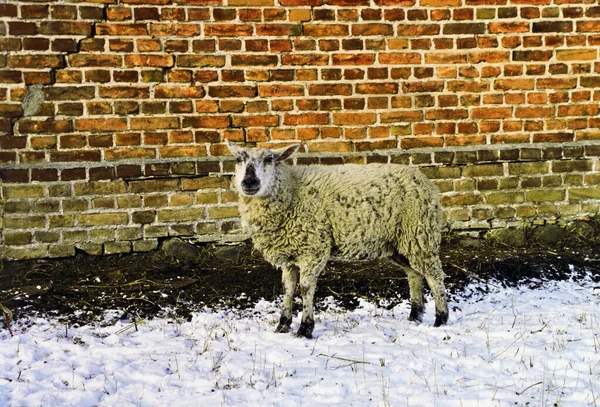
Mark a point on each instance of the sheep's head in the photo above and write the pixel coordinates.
(256, 167)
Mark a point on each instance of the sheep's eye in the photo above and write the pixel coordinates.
(239, 159)
(268, 160)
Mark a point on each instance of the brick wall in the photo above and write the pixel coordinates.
(113, 113)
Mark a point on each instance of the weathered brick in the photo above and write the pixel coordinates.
(581, 194)
(101, 125)
(150, 60)
(228, 30)
(223, 212)
(330, 89)
(464, 28)
(65, 28)
(326, 30)
(545, 195)
(179, 215)
(36, 61)
(98, 219)
(121, 29)
(552, 26)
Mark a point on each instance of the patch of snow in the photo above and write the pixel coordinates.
(508, 346)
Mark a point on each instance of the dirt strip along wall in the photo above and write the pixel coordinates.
(114, 113)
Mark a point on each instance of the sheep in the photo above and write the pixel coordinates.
(300, 217)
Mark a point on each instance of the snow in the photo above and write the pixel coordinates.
(502, 346)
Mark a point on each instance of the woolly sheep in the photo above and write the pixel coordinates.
(299, 217)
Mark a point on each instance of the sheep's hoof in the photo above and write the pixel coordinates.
(416, 315)
(440, 319)
(306, 328)
(284, 325)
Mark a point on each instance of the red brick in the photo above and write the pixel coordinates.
(354, 119)
(206, 122)
(400, 58)
(154, 60)
(121, 29)
(21, 28)
(178, 91)
(48, 126)
(445, 58)
(228, 30)
(578, 110)
(153, 123)
(255, 121)
(254, 60)
(10, 110)
(556, 83)
(9, 76)
(124, 92)
(75, 156)
(509, 27)
(353, 59)
(306, 119)
(418, 30)
(93, 60)
(65, 28)
(36, 61)
(446, 114)
(377, 88)
(330, 89)
(588, 26)
(491, 113)
(476, 57)
(532, 55)
(280, 90)
(561, 137)
(305, 59)
(101, 125)
(372, 29)
(171, 29)
(401, 116)
(514, 84)
(326, 30)
(9, 10)
(534, 112)
(232, 91)
(275, 29)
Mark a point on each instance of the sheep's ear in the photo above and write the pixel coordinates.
(282, 154)
(235, 150)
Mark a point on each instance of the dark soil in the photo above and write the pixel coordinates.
(80, 288)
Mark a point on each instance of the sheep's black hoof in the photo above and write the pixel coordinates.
(306, 329)
(284, 325)
(440, 319)
(416, 314)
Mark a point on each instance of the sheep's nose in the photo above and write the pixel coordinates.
(250, 183)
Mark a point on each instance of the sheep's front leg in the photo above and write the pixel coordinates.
(290, 280)
(307, 290)
(308, 285)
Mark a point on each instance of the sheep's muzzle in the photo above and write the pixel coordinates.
(250, 183)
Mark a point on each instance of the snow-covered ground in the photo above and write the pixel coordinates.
(510, 346)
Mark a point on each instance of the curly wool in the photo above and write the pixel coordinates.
(350, 212)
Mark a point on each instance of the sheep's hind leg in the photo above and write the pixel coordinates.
(415, 284)
(290, 280)
(438, 291)
(431, 269)
(435, 280)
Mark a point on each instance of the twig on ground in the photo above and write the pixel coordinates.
(8, 316)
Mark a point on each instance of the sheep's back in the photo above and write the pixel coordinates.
(367, 206)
